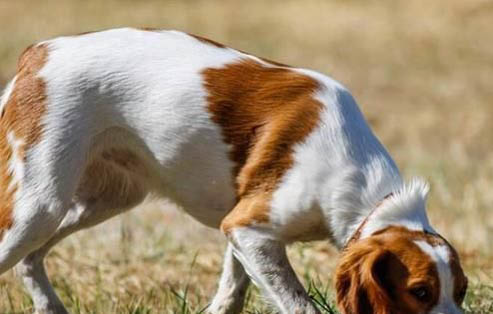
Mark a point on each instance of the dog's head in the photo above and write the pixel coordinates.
(397, 270)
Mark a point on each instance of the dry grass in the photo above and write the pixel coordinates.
(421, 70)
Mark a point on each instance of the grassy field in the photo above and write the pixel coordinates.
(422, 72)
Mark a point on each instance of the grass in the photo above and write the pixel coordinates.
(421, 71)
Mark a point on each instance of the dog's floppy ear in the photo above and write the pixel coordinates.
(362, 285)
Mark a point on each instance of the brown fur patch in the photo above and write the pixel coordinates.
(460, 280)
(407, 266)
(22, 116)
(263, 112)
(86, 33)
(375, 274)
(219, 45)
(431, 238)
(125, 159)
(114, 180)
(248, 211)
(208, 41)
(149, 29)
(279, 64)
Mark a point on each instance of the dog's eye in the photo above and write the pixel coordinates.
(422, 294)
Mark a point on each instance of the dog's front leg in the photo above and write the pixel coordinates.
(232, 286)
(266, 262)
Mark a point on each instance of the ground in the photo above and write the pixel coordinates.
(421, 71)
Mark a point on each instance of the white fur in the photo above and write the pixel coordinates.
(232, 286)
(142, 91)
(160, 102)
(16, 166)
(406, 207)
(266, 262)
(441, 256)
(341, 171)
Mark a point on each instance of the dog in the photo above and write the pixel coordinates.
(267, 153)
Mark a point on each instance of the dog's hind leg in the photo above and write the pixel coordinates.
(232, 288)
(105, 191)
(30, 233)
(37, 172)
(40, 204)
(37, 284)
(31, 268)
(31, 208)
(31, 228)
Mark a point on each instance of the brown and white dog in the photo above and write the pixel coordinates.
(269, 154)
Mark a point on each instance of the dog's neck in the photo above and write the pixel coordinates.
(402, 207)
(359, 230)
